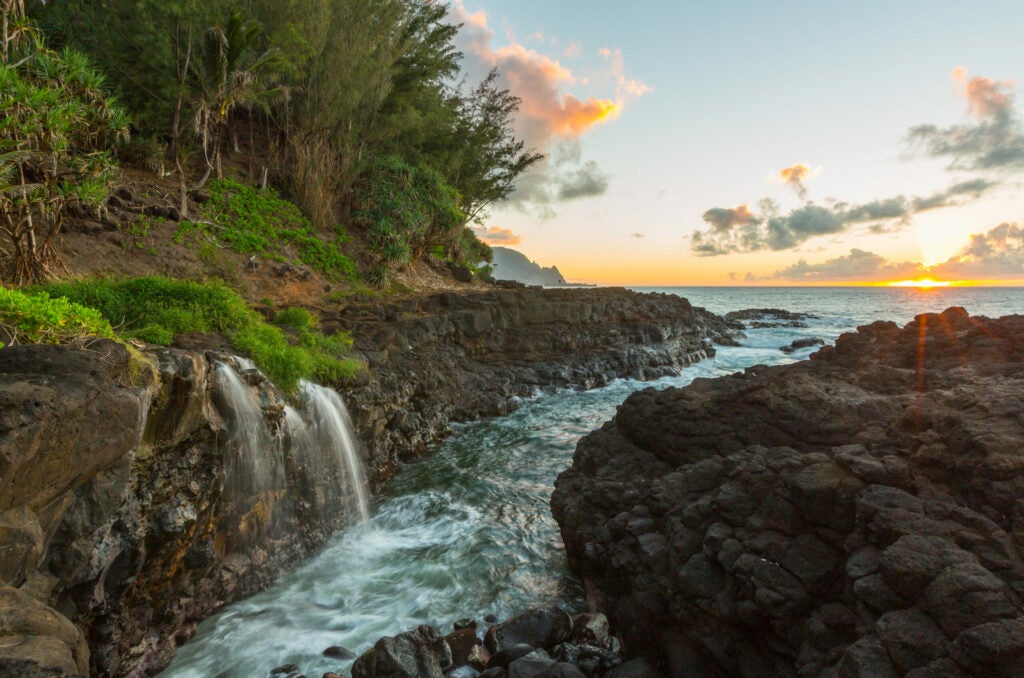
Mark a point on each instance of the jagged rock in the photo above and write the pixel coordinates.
(855, 514)
(542, 627)
(422, 653)
(798, 344)
(538, 664)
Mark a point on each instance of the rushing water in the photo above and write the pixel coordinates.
(468, 532)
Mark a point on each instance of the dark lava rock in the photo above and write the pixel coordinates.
(461, 643)
(769, 317)
(496, 672)
(637, 668)
(798, 344)
(508, 655)
(542, 627)
(422, 653)
(538, 664)
(339, 652)
(857, 514)
(285, 669)
(465, 623)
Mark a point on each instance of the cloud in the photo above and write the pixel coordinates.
(740, 230)
(998, 254)
(794, 177)
(550, 116)
(571, 51)
(583, 182)
(638, 236)
(858, 265)
(547, 111)
(722, 219)
(994, 142)
(498, 236)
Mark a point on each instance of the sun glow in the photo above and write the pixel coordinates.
(924, 283)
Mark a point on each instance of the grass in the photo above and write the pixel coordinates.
(249, 220)
(154, 309)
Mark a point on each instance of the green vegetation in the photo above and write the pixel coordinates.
(250, 220)
(38, 318)
(56, 124)
(155, 309)
(374, 95)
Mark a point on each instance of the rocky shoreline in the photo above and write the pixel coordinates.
(454, 357)
(117, 511)
(857, 514)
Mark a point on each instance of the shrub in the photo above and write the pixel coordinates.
(40, 319)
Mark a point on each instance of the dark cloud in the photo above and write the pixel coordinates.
(561, 176)
(583, 182)
(995, 141)
(858, 265)
(724, 218)
(774, 231)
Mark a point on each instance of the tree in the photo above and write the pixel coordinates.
(229, 71)
(56, 126)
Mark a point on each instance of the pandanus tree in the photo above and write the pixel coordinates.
(56, 126)
(229, 71)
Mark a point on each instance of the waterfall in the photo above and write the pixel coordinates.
(255, 465)
(334, 431)
(313, 452)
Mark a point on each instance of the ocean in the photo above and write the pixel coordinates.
(467, 532)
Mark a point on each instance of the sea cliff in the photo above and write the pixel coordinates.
(131, 509)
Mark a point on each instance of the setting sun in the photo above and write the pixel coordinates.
(926, 283)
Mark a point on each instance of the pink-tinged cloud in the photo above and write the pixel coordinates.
(794, 177)
(498, 236)
(548, 112)
(987, 99)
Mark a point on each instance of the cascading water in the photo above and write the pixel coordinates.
(255, 464)
(333, 430)
(283, 470)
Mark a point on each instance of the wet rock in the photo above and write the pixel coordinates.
(591, 629)
(543, 627)
(284, 669)
(339, 652)
(422, 653)
(478, 657)
(496, 672)
(856, 514)
(798, 344)
(504, 657)
(538, 664)
(465, 623)
(462, 643)
(636, 668)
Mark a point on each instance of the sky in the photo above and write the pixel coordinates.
(768, 143)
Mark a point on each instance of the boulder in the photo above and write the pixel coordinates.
(542, 627)
(421, 653)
